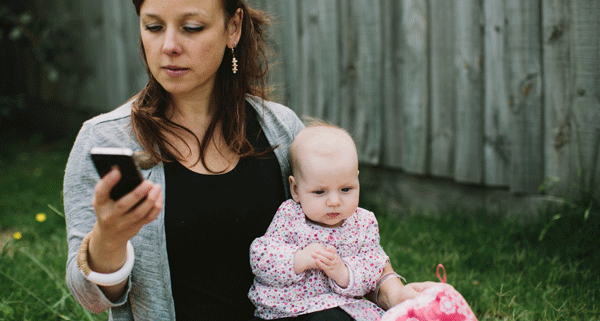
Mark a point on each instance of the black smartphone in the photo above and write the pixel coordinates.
(105, 158)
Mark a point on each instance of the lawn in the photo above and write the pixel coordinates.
(505, 269)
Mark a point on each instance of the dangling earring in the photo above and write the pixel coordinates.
(234, 62)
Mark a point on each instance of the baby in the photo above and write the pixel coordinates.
(321, 250)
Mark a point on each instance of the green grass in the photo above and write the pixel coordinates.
(32, 268)
(501, 266)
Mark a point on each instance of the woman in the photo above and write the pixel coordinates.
(218, 153)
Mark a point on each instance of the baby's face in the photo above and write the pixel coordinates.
(327, 189)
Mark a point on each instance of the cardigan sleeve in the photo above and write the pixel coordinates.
(367, 264)
(272, 255)
(78, 190)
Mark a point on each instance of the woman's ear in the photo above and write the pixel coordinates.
(294, 189)
(234, 28)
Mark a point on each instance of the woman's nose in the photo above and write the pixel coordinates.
(171, 45)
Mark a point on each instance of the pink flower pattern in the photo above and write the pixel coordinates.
(279, 292)
(438, 303)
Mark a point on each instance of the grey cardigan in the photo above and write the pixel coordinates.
(148, 295)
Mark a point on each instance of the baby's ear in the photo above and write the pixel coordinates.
(294, 188)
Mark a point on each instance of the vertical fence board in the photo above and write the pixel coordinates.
(586, 83)
(368, 93)
(285, 35)
(496, 111)
(119, 51)
(318, 71)
(468, 166)
(524, 89)
(347, 56)
(443, 90)
(414, 85)
(559, 144)
(391, 152)
(93, 81)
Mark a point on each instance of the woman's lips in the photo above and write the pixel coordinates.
(174, 71)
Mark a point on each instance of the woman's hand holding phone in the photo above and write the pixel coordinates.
(117, 222)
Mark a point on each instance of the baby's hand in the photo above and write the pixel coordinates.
(303, 259)
(331, 263)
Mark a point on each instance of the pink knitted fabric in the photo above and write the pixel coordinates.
(441, 302)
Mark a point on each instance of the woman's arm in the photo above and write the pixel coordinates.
(392, 291)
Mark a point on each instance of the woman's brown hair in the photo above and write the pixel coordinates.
(150, 124)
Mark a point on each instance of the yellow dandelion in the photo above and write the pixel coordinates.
(17, 235)
(40, 217)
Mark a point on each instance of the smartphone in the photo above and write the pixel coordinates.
(105, 158)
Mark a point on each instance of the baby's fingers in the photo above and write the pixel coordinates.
(325, 260)
(326, 254)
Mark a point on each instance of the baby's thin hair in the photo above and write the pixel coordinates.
(317, 122)
(310, 122)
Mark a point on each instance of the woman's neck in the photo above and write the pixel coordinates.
(194, 113)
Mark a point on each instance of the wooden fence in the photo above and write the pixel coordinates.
(484, 92)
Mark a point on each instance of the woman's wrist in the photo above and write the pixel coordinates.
(387, 289)
(105, 255)
(115, 277)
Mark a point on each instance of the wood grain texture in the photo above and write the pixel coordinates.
(468, 60)
(524, 73)
(443, 89)
(414, 82)
(496, 145)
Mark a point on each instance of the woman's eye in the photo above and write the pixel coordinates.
(153, 28)
(193, 29)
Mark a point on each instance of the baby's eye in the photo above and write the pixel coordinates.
(319, 192)
(346, 189)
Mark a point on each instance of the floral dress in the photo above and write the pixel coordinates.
(279, 292)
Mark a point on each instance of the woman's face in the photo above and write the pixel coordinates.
(184, 43)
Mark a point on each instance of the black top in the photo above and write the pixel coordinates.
(210, 222)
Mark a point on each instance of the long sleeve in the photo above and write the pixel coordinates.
(367, 263)
(272, 255)
(79, 182)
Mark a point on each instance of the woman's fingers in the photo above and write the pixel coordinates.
(130, 200)
(104, 186)
(147, 207)
(422, 286)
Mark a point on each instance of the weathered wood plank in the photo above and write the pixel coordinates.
(524, 89)
(368, 91)
(92, 81)
(391, 133)
(586, 83)
(496, 110)
(319, 73)
(414, 85)
(468, 166)
(284, 35)
(560, 145)
(443, 88)
(347, 60)
(119, 51)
